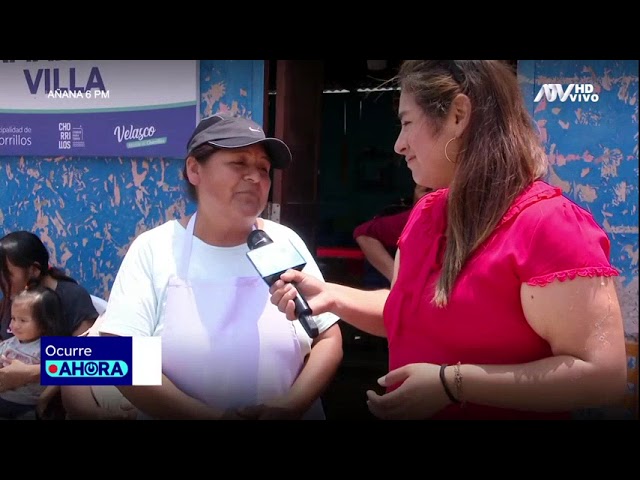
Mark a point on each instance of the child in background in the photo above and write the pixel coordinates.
(35, 312)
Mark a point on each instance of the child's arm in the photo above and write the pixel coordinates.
(15, 373)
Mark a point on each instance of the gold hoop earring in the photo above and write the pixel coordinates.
(445, 150)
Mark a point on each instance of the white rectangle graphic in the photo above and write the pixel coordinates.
(146, 359)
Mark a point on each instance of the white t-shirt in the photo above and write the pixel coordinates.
(138, 296)
(29, 353)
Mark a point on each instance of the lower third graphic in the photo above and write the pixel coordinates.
(101, 361)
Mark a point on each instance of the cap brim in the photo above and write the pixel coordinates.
(278, 151)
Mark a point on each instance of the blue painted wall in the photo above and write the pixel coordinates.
(593, 153)
(88, 210)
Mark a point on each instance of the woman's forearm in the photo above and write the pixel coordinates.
(360, 308)
(319, 370)
(166, 401)
(377, 255)
(79, 403)
(15, 374)
(559, 383)
(34, 373)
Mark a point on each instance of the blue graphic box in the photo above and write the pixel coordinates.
(86, 361)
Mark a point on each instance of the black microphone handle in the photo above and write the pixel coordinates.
(304, 314)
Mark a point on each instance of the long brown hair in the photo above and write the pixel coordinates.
(500, 155)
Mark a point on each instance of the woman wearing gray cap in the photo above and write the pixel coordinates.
(227, 352)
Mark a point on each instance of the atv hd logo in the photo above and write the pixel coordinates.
(574, 92)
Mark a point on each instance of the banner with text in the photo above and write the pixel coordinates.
(126, 108)
(101, 361)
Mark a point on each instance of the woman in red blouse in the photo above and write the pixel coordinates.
(502, 304)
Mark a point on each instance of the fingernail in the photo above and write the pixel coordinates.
(381, 381)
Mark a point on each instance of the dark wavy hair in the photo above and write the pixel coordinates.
(25, 249)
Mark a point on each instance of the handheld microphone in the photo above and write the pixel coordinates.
(271, 260)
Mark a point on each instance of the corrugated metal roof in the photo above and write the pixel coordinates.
(359, 90)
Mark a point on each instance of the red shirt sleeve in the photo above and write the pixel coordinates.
(559, 239)
(385, 229)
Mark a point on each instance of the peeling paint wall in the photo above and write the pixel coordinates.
(593, 153)
(88, 210)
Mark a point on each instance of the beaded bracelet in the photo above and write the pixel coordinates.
(458, 383)
(444, 384)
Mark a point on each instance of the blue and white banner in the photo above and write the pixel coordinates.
(126, 108)
(101, 361)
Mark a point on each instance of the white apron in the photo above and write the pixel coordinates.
(224, 342)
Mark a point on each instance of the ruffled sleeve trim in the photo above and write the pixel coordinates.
(430, 212)
(543, 280)
(535, 193)
(433, 197)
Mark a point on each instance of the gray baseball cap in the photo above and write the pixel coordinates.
(228, 131)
